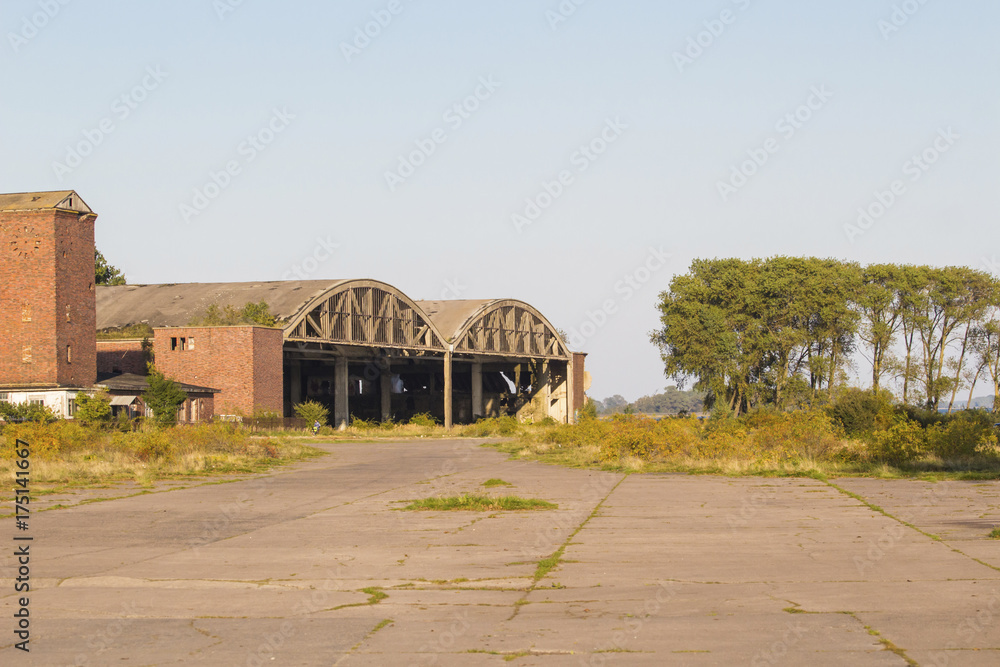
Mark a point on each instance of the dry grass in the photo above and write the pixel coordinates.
(802, 444)
(68, 454)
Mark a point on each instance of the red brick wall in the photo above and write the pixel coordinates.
(243, 362)
(120, 356)
(47, 264)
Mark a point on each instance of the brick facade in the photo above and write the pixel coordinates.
(47, 307)
(121, 356)
(243, 362)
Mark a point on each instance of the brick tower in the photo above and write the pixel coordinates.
(47, 309)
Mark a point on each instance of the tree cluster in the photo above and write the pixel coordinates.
(783, 331)
(250, 313)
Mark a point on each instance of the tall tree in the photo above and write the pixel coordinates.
(104, 273)
(879, 302)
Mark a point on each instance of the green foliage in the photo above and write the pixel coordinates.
(26, 412)
(588, 411)
(503, 427)
(780, 331)
(104, 273)
(424, 419)
(965, 435)
(312, 412)
(900, 444)
(164, 397)
(251, 313)
(860, 412)
(93, 410)
(130, 332)
(476, 503)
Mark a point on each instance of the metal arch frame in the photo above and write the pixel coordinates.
(381, 324)
(540, 341)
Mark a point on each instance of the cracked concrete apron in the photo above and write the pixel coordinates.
(313, 565)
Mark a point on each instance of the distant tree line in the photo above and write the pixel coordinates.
(671, 402)
(782, 331)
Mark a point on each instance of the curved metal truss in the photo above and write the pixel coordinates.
(366, 313)
(510, 328)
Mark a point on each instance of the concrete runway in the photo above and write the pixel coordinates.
(657, 570)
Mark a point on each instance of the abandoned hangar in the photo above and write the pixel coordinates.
(362, 347)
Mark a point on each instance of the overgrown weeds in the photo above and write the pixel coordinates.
(69, 453)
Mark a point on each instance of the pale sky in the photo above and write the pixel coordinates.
(260, 140)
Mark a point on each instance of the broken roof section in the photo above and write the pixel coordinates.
(66, 200)
(177, 305)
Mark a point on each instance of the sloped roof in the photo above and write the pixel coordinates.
(36, 201)
(450, 317)
(129, 382)
(176, 305)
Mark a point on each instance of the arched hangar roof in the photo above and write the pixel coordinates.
(359, 312)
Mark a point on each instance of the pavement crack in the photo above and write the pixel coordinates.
(548, 564)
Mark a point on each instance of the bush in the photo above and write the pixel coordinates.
(902, 443)
(423, 419)
(93, 410)
(26, 412)
(860, 412)
(588, 411)
(964, 435)
(312, 412)
(493, 427)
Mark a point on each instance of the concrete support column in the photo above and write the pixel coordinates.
(571, 406)
(295, 382)
(385, 389)
(447, 390)
(341, 409)
(477, 391)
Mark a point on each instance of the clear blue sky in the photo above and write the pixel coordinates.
(678, 129)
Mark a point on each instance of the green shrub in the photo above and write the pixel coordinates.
(504, 426)
(962, 436)
(901, 443)
(93, 410)
(861, 412)
(423, 419)
(312, 412)
(26, 412)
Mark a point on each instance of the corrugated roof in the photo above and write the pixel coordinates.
(176, 305)
(450, 316)
(35, 201)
